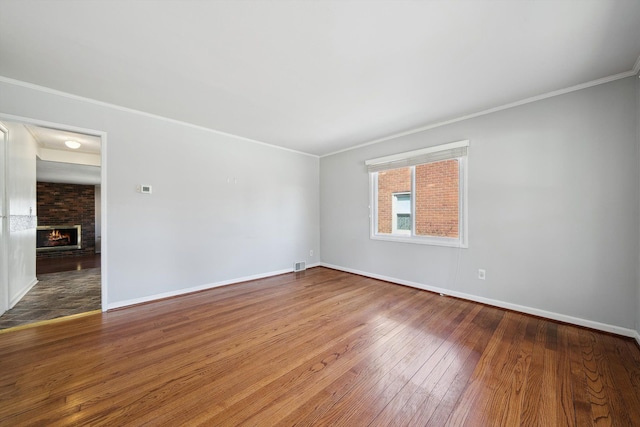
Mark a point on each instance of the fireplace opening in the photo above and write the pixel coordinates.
(58, 237)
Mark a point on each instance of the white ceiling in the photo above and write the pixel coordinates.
(54, 139)
(71, 171)
(316, 76)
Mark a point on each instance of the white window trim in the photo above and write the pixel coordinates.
(463, 230)
(417, 153)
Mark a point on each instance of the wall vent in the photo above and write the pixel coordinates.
(299, 266)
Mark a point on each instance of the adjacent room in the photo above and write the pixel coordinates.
(320, 213)
(68, 233)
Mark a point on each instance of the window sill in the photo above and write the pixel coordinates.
(433, 241)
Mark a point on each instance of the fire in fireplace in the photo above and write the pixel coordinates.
(58, 237)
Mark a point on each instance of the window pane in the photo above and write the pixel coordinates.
(390, 182)
(403, 203)
(437, 210)
(404, 222)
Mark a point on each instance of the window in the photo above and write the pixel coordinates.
(401, 213)
(420, 196)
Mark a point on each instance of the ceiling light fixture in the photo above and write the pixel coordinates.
(72, 144)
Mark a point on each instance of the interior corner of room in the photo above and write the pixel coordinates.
(322, 212)
(544, 227)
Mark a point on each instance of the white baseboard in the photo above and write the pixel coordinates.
(155, 297)
(637, 337)
(497, 303)
(16, 299)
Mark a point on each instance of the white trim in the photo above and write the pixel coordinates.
(103, 185)
(4, 219)
(104, 233)
(16, 299)
(497, 303)
(204, 287)
(637, 335)
(495, 109)
(416, 153)
(633, 72)
(411, 237)
(45, 123)
(421, 240)
(143, 113)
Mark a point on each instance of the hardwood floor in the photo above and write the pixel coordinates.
(317, 348)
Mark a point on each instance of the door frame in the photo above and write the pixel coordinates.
(103, 190)
(4, 219)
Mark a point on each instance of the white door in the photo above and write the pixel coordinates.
(4, 227)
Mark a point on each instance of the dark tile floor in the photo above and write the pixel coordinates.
(56, 295)
(55, 265)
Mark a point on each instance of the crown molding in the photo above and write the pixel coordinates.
(496, 109)
(50, 91)
(632, 72)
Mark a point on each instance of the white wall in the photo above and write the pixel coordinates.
(21, 191)
(196, 228)
(553, 209)
(637, 80)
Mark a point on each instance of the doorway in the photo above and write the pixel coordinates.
(70, 181)
(4, 277)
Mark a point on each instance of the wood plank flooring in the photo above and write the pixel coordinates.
(316, 348)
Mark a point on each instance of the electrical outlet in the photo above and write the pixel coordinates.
(482, 274)
(311, 252)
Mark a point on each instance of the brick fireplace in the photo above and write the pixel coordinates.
(67, 205)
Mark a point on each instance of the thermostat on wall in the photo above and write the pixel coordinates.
(145, 189)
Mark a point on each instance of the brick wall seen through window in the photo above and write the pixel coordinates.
(436, 193)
